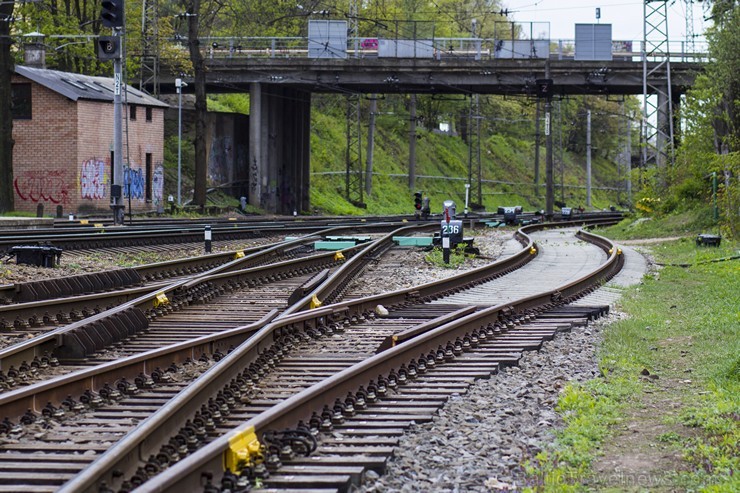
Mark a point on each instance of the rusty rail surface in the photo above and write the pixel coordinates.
(146, 439)
(101, 237)
(229, 448)
(134, 307)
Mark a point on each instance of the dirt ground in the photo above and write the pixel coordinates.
(643, 454)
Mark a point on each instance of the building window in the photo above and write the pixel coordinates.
(148, 177)
(20, 101)
(148, 114)
(132, 112)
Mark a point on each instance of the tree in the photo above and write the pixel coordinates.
(6, 117)
(200, 15)
(724, 46)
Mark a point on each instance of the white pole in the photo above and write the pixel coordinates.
(467, 196)
(179, 85)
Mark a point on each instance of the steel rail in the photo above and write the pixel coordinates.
(35, 397)
(104, 238)
(213, 457)
(132, 314)
(72, 308)
(331, 288)
(146, 439)
(119, 278)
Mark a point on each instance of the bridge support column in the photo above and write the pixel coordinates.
(279, 148)
(662, 137)
(667, 129)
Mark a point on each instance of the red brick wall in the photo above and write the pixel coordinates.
(62, 155)
(95, 130)
(45, 151)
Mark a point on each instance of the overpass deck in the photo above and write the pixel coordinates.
(467, 66)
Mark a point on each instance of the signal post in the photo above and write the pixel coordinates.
(109, 48)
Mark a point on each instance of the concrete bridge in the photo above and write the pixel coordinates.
(281, 77)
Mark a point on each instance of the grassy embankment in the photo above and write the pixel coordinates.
(665, 414)
(442, 170)
(507, 161)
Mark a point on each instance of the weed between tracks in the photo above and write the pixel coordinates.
(665, 414)
(435, 257)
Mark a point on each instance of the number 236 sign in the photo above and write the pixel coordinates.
(453, 229)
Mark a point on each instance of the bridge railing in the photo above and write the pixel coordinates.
(439, 49)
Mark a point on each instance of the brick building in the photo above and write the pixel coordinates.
(63, 152)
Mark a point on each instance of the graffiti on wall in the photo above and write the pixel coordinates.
(220, 160)
(158, 185)
(92, 179)
(134, 183)
(46, 186)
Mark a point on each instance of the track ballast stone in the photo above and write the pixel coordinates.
(480, 440)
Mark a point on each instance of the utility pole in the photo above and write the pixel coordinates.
(355, 188)
(116, 194)
(629, 160)
(110, 48)
(370, 145)
(412, 142)
(588, 158)
(537, 149)
(550, 199)
(560, 153)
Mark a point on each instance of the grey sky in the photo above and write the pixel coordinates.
(625, 16)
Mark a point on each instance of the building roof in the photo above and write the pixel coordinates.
(77, 86)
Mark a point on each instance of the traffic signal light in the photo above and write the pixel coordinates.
(109, 48)
(112, 13)
(544, 88)
(417, 201)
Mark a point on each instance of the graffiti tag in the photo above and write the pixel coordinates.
(92, 179)
(42, 186)
(134, 183)
(158, 184)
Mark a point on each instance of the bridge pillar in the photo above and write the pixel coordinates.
(663, 134)
(666, 128)
(279, 148)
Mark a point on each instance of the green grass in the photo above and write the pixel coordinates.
(682, 320)
(688, 223)
(504, 157)
(436, 257)
(18, 214)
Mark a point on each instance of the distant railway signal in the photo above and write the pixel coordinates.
(417, 201)
(112, 13)
(109, 48)
(544, 88)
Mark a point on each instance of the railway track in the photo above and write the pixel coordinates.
(162, 383)
(180, 311)
(97, 236)
(106, 290)
(282, 281)
(40, 306)
(293, 327)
